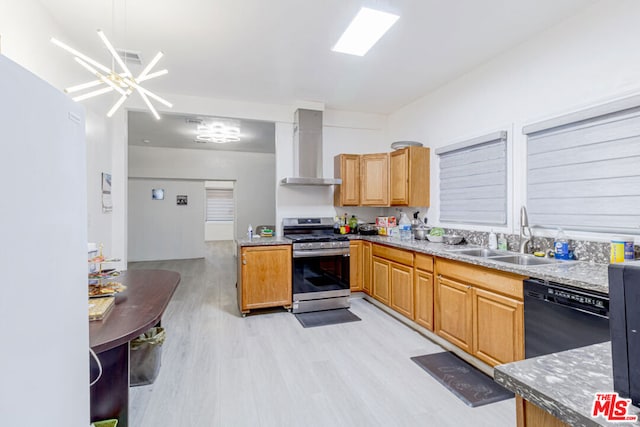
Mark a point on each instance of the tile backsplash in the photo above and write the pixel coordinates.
(584, 250)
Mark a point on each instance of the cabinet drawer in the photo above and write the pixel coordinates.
(497, 281)
(393, 254)
(424, 262)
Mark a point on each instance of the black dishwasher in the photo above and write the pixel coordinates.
(558, 317)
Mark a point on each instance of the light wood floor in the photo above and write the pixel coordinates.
(219, 369)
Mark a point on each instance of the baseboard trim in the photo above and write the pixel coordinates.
(473, 361)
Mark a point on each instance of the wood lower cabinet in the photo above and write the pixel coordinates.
(498, 328)
(347, 168)
(264, 277)
(392, 271)
(424, 298)
(454, 320)
(355, 265)
(366, 267)
(530, 415)
(380, 276)
(402, 289)
(374, 179)
(480, 310)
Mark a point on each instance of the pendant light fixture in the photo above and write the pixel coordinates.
(109, 80)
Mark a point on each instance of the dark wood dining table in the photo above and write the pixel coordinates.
(137, 309)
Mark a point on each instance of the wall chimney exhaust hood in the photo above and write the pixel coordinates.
(307, 150)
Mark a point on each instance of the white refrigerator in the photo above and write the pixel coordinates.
(44, 334)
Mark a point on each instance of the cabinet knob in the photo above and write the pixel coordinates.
(469, 287)
(244, 262)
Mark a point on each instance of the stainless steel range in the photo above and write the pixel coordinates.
(320, 264)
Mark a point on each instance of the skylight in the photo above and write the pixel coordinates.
(364, 31)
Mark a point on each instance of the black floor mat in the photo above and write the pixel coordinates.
(470, 385)
(326, 317)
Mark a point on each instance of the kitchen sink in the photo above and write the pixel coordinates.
(525, 260)
(479, 252)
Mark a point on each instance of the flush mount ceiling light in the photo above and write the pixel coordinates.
(123, 82)
(364, 31)
(218, 132)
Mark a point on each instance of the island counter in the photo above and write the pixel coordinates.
(562, 385)
(137, 309)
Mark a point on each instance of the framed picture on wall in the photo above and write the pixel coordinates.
(157, 194)
(181, 200)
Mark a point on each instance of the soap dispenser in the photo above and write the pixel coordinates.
(493, 240)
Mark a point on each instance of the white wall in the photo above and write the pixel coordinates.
(343, 132)
(253, 173)
(25, 30)
(583, 61)
(162, 229)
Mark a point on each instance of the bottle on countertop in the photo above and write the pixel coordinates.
(353, 224)
(493, 240)
(502, 242)
(250, 232)
(561, 246)
(404, 226)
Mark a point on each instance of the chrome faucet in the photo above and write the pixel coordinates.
(525, 231)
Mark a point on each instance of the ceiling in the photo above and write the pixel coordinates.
(279, 51)
(179, 131)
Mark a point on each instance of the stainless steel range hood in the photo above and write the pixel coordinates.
(307, 150)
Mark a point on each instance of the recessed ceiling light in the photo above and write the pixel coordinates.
(364, 31)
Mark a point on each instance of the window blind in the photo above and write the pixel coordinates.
(473, 180)
(220, 206)
(585, 175)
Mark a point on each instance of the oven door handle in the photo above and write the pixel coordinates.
(320, 252)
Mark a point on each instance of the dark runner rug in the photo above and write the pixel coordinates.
(469, 384)
(326, 317)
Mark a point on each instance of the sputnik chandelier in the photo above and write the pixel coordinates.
(123, 82)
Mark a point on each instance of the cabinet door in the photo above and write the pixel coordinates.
(453, 312)
(402, 289)
(498, 328)
(355, 266)
(266, 276)
(380, 273)
(424, 298)
(374, 184)
(399, 172)
(366, 267)
(347, 168)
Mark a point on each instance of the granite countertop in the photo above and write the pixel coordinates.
(564, 383)
(263, 241)
(584, 275)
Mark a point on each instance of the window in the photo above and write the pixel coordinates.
(220, 205)
(473, 180)
(583, 169)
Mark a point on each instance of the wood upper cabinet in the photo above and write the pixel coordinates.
(347, 168)
(423, 285)
(355, 265)
(374, 179)
(264, 277)
(401, 281)
(454, 320)
(380, 277)
(366, 267)
(498, 328)
(409, 177)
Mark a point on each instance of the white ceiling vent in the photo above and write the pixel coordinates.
(130, 57)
